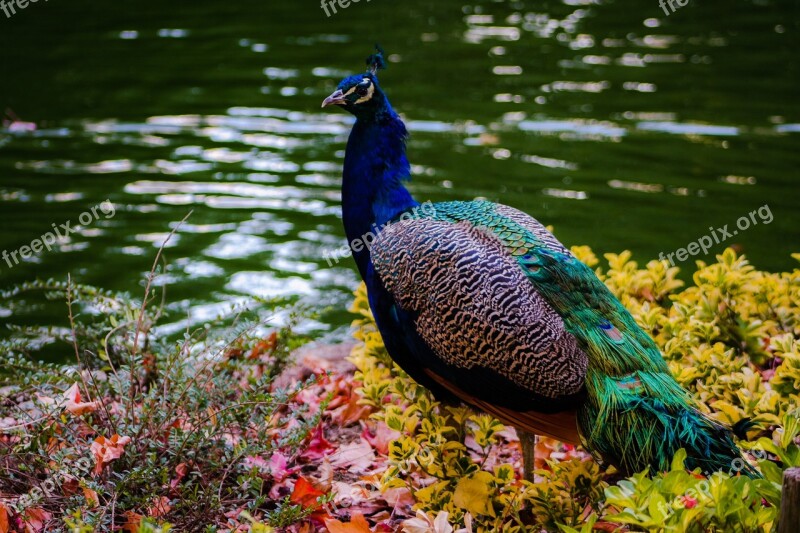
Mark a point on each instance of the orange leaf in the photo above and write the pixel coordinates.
(91, 497)
(160, 507)
(4, 527)
(305, 494)
(357, 524)
(106, 450)
(265, 346)
(74, 404)
(350, 412)
(132, 521)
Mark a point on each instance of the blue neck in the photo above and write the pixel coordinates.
(375, 166)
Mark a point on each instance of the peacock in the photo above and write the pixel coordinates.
(481, 304)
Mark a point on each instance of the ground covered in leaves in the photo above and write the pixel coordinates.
(246, 431)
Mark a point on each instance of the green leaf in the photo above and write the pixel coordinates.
(678, 460)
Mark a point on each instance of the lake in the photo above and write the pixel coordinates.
(622, 124)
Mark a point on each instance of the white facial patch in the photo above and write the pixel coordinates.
(367, 96)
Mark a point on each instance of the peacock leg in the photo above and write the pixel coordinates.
(528, 442)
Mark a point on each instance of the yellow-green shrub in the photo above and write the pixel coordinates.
(731, 339)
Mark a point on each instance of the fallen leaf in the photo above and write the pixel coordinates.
(324, 478)
(35, 519)
(548, 449)
(306, 495)
(106, 450)
(380, 437)
(278, 466)
(160, 507)
(4, 527)
(357, 457)
(318, 446)
(306, 527)
(422, 523)
(91, 497)
(399, 497)
(264, 347)
(132, 521)
(180, 471)
(357, 524)
(70, 486)
(467, 524)
(351, 412)
(44, 400)
(74, 404)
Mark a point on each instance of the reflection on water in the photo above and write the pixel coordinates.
(620, 127)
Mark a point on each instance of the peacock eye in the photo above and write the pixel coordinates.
(362, 90)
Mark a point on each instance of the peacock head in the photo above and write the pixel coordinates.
(360, 94)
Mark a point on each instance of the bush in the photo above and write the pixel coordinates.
(732, 339)
(143, 430)
(147, 435)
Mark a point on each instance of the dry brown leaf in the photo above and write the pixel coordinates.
(74, 403)
(70, 486)
(379, 436)
(356, 457)
(324, 478)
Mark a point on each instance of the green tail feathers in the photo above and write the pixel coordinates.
(636, 416)
(645, 418)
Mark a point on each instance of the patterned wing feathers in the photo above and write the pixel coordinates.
(475, 307)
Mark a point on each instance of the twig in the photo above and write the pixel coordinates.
(74, 334)
(150, 278)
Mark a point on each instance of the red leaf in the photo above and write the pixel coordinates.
(318, 446)
(35, 520)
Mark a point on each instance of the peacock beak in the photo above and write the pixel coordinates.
(337, 98)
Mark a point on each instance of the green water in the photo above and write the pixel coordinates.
(620, 126)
